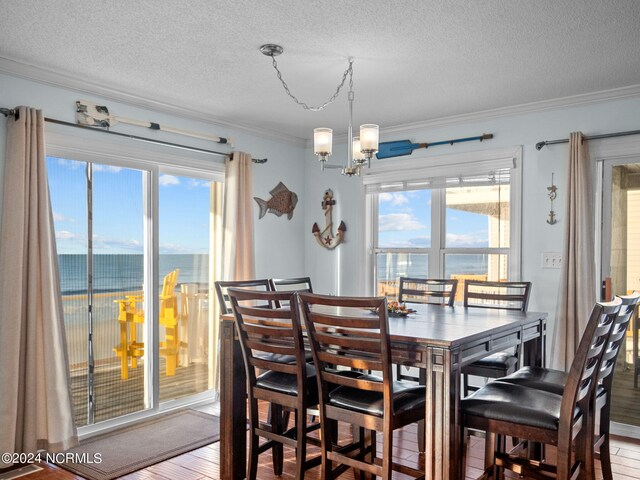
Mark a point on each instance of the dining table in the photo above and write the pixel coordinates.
(440, 339)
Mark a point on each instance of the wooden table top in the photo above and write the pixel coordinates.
(449, 326)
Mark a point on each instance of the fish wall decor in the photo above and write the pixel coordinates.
(282, 201)
(325, 237)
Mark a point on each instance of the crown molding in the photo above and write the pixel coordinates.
(51, 77)
(54, 78)
(552, 104)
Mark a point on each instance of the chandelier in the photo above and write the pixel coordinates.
(360, 149)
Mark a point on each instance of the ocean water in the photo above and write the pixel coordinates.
(392, 266)
(121, 273)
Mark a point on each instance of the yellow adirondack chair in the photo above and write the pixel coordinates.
(169, 317)
(131, 313)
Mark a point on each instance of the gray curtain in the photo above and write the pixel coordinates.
(35, 406)
(238, 253)
(577, 284)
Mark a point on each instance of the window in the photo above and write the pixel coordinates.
(438, 223)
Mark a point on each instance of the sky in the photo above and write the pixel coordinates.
(405, 222)
(118, 220)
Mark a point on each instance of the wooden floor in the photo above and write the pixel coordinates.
(203, 463)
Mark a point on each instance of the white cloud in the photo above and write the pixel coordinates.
(172, 248)
(59, 217)
(474, 240)
(394, 222)
(199, 183)
(395, 199)
(65, 235)
(423, 241)
(100, 242)
(166, 180)
(106, 168)
(72, 164)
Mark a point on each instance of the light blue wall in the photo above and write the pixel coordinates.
(279, 245)
(339, 272)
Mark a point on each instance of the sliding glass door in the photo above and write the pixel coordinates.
(99, 220)
(621, 263)
(136, 264)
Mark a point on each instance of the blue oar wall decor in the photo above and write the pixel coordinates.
(399, 148)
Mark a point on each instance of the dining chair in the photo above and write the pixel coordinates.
(497, 296)
(554, 381)
(223, 297)
(427, 290)
(534, 415)
(424, 290)
(290, 284)
(268, 343)
(354, 333)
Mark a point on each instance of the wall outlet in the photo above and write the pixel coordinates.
(551, 260)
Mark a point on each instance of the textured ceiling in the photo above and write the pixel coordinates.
(415, 60)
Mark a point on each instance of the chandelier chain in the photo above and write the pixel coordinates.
(348, 71)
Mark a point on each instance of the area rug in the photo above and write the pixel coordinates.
(128, 449)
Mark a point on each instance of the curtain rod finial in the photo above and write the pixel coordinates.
(539, 145)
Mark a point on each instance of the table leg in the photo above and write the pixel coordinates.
(233, 408)
(442, 437)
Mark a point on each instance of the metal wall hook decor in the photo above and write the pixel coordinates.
(325, 237)
(553, 193)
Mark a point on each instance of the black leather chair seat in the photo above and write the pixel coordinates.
(504, 361)
(515, 403)
(405, 398)
(287, 383)
(277, 357)
(545, 379)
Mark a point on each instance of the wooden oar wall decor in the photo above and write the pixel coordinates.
(398, 148)
(93, 115)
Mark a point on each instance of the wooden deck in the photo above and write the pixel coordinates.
(625, 407)
(203, 463)
(115, 397)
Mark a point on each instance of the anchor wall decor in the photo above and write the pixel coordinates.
(325, 237)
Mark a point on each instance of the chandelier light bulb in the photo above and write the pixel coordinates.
(369, 134)
(322, 141)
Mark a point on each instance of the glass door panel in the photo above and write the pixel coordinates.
(185, 320)
(118, 300)
(621, 263)
(99, 235)
(68, 192)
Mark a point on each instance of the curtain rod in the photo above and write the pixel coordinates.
(539, 145)
(13, 112)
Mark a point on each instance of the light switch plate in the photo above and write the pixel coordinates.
(551, 260)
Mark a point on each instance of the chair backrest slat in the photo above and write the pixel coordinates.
(618, 335)
(427, 290)
(585, 366)
(497, 295)
(223, 286)
(266, 336)
(298, 284)
(350, 332)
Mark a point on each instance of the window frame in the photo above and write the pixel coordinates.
(420, 170)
